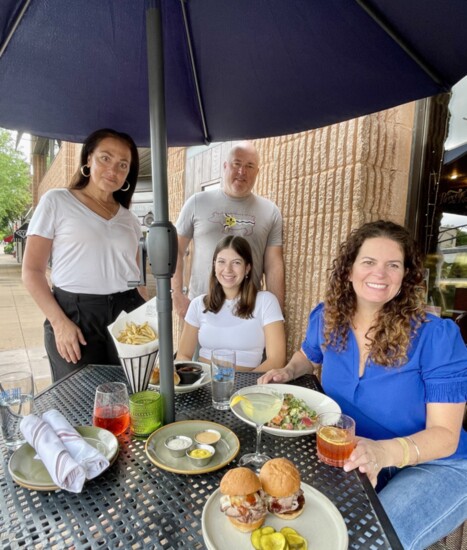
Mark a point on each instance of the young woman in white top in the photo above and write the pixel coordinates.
(234, 314)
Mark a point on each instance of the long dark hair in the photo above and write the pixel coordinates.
(215, 298)
(92, 141)
(399, 319)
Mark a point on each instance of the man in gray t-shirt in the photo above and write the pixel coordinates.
(209, 216)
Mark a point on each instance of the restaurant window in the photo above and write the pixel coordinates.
(446, 214)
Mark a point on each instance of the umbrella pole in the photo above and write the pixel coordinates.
(162, 237)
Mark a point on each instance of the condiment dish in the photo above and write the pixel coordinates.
(208, 437)
(177, 445)
(200, 455)
(189, 372)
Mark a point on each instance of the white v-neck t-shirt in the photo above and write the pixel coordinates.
(90, 255)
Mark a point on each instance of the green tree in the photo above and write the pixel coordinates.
(461, 238)
(15, 194)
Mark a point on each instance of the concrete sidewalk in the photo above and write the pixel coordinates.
(21, 331)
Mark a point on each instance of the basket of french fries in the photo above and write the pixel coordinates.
(136, 339)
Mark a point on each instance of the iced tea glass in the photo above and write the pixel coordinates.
(111, 407)
(335, 438)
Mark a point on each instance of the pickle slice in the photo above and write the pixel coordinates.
(296, 542)
(267, 530)
(274, 541)
(288, 531)
(255, 537)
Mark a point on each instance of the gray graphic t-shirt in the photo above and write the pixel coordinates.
(209, 216)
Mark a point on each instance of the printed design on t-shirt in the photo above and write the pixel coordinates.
(234, 224)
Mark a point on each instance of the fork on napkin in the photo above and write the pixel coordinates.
(90, 458)
(65, 472)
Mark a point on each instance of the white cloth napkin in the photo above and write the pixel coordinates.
(90, 458)
(65, 472)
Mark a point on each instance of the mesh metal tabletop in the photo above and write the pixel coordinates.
(136, 505)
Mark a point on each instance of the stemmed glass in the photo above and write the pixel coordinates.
(259, 404)
(111, 407)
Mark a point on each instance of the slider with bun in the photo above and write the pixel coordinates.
(241, 500)
(280, 481)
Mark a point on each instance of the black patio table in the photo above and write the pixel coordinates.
(135, 504)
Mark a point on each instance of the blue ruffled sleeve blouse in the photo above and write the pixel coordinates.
(389, 402)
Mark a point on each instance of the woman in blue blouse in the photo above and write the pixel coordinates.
(400, 373)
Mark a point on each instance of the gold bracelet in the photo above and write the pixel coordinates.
(416, 448)
(406, 456)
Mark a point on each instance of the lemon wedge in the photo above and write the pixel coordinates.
(246, 404)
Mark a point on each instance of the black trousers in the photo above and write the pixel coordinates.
(92, 313)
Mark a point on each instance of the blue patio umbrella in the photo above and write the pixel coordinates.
(218, 70)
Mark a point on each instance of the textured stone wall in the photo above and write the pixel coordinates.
(325, 182)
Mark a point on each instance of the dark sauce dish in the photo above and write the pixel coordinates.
(189, 372)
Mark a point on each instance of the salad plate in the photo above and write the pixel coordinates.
(293, 426)
(321, 524)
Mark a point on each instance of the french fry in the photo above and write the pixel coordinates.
(137, 334)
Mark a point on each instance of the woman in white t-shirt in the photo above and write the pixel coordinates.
(91, 237)
(234, 314)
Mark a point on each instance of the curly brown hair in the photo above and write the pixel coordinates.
(398, 320)
(215, 298)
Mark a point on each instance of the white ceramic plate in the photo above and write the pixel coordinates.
(31, 473)
(226, 449)
(316, 400)
(321, 524)
(186, 388)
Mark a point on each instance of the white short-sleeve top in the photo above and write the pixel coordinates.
(225, 330)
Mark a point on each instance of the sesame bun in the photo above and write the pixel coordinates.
(280, 478)
(240, 482)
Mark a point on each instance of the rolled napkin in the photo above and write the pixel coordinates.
(90, 458)
(65, 472)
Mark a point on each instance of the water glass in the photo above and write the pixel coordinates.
(16, 402)
(145, 412)
(222, 378)
(111, 407)
(335, 438)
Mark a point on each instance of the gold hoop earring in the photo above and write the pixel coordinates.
(82, 171)
(126, 188)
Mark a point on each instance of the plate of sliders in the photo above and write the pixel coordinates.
(238, 512)
(183, 380)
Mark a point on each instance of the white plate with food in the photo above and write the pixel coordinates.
(298, 416)
(320, 523)
(186, 388)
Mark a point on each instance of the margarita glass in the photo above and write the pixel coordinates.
(260, 404)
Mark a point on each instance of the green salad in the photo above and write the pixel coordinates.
(295, 414)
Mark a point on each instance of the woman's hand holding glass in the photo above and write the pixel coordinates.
(368, 456)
